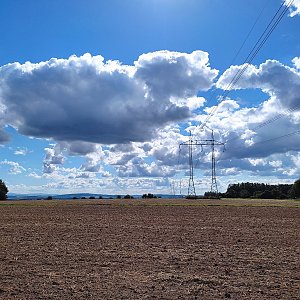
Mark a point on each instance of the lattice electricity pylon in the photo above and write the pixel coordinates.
(190, 144)
(209, 142)
(214, 186)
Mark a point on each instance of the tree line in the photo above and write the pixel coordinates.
(263, 191)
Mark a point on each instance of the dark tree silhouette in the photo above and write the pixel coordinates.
(3, 190)
(149, 196)
(296, 188)
(262, 190)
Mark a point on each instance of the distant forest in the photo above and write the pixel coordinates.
(262, 191)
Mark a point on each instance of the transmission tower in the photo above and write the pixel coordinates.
(209, 142)
(214, 186)
(190, 143)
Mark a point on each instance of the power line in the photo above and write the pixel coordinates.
(277, 117)
(257, 47)
(277, 138)
(249, 33)
(261, 142)
(267, 122)
(249, 59)
(251, 56)
(267, 141)
(243, 44)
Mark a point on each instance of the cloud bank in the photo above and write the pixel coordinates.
(85, 99)
(124, 123)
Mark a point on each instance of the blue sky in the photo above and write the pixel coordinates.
(96, 96)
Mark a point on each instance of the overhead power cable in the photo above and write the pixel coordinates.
(267, 122)
(257, 47)
(214, 93)
(277, 138)
(261, 142)
(249, 33)
(277, 117)
(266, 141)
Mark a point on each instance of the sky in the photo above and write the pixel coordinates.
(96, 96)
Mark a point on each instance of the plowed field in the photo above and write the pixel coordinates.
(150, 249)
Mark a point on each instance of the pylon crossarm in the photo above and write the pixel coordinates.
(207, 142)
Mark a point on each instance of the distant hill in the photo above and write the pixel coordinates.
(15, 196)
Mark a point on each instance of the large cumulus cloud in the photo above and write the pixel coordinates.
(272, 77)
(163, 70)
(85, 99)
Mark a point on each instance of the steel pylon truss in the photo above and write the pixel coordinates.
(208, 142)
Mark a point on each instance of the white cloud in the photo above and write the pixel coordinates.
(54, 155)
(48, 168)
(192, 103)
(175, 74)
(139, 120)
(93, 161)
(21, 151)
(272, 77)
(295, 7)
(195, 102)
(257, 162)
(34, 175)
(64, 180)
(84, 99)
(137, 167)
(250, 133)
(296, 62)
(275, 163)
(15, 167)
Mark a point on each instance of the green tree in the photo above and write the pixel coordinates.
(149, 196)
(245, 193)
(296, 188)
(3, 190)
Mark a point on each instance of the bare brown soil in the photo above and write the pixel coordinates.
(151, 249)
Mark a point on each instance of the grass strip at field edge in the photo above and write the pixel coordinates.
(56, 202)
